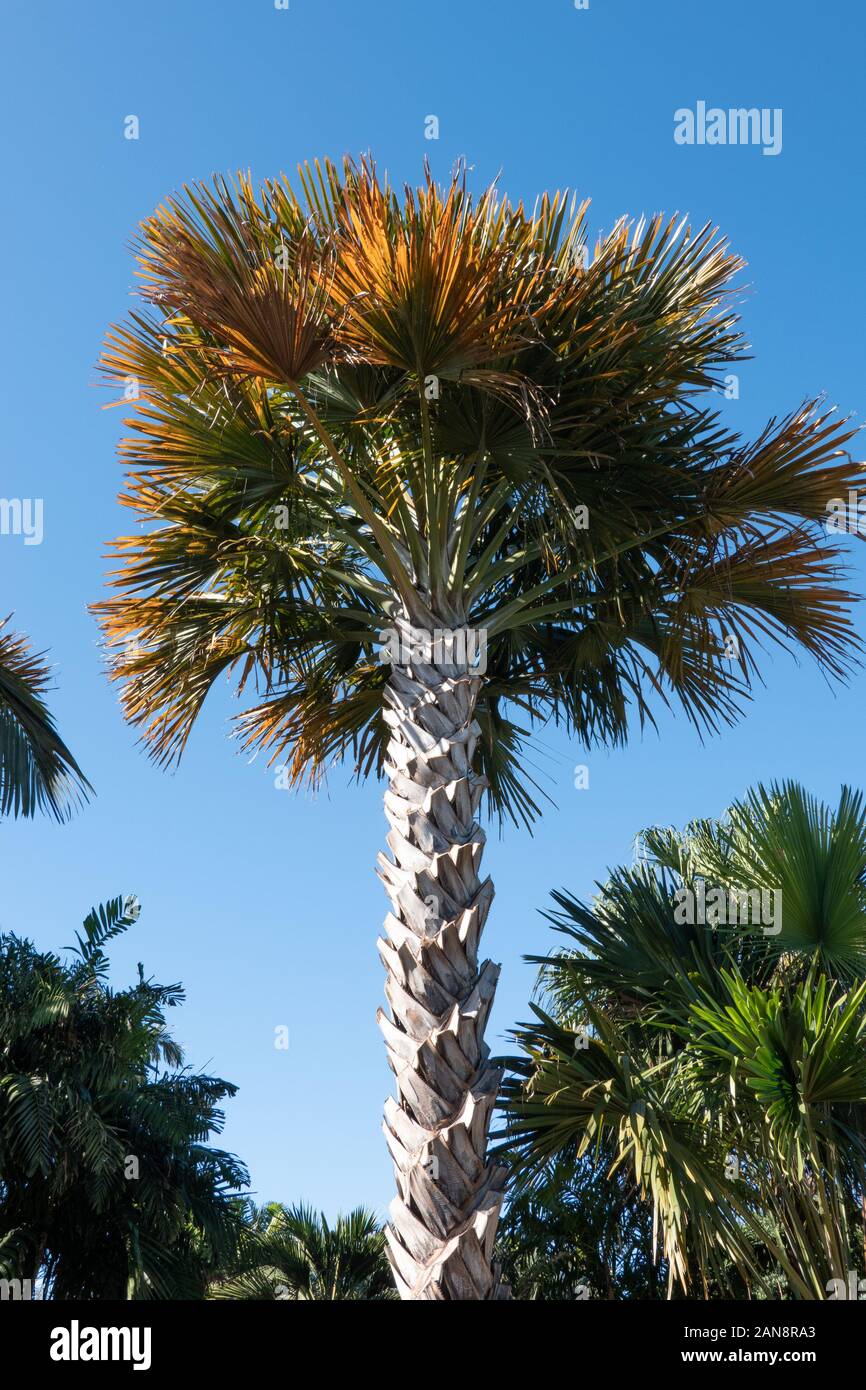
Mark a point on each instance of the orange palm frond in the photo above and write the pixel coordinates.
(219, 260)
(432, 287)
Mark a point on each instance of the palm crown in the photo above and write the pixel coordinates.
(355, 408)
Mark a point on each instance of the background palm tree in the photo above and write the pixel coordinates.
(361, 414)
(37, 770)
(108, 1188)
(578, 1233)
(294, 1253)
(720, 1064)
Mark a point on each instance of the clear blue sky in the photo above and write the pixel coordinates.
(242, 900)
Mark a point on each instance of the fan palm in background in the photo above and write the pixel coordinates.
(294, 1253)
(364, 419)
(721, 1066)
(37, 770)
(578, 1234)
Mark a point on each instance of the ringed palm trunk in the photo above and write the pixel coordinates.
(444, 1217)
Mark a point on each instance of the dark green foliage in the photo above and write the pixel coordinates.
(719, 1066)
(294, 1253)
(108, 1186)
(579, 1234)
(37, 770)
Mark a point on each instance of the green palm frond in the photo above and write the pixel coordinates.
(37, 770)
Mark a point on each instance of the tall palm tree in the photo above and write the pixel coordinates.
(427, 476)
(717, 1055)
(295, 1253)
(37, 770)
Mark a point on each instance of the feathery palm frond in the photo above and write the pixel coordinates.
(37, 770)
(108, 1186)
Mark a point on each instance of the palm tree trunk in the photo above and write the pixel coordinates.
(444, 1218)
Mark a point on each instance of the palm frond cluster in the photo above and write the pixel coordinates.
(720, 1069)
(580, 1234)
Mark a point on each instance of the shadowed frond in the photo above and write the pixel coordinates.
(37, 770)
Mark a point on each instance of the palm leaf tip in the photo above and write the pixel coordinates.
(37, 770)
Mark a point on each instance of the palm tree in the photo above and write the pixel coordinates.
(108, 1188)
(293, 1253)
(707, 1036)
(427, 478)
(37, 770)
